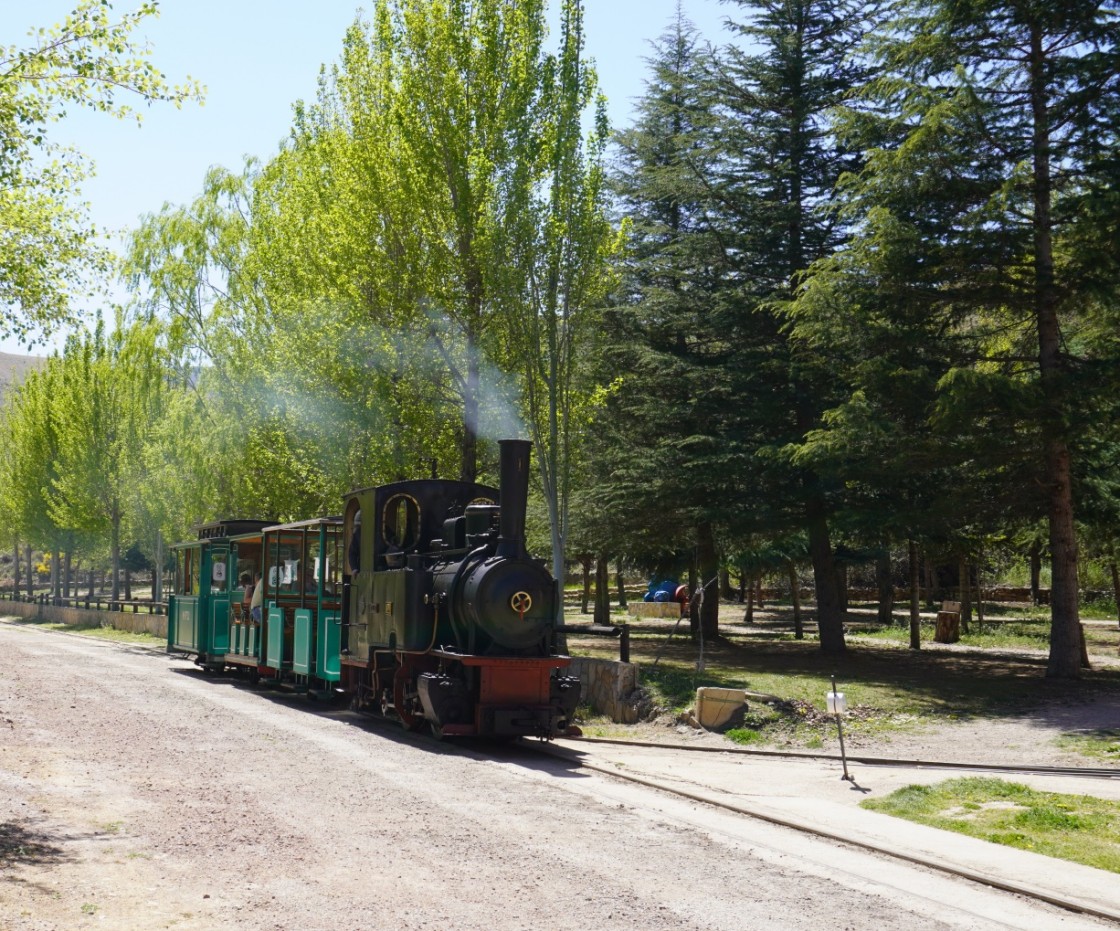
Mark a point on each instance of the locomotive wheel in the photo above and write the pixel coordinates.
(409, 720)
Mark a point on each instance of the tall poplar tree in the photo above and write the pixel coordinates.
(558, 269)
(91, 59)
(108, 396)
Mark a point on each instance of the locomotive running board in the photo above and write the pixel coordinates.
(471, 659)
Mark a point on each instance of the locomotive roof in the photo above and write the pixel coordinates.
(304, 524)
(420, 484)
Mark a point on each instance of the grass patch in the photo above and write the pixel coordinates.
(744, 736)
(1012, 634)
(1103, 744)
(96, 631)
(1034, 635)
(890, 688)
(1078, 828)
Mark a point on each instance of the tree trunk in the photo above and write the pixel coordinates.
(748, 614)
(1065, 623)
(842, 587)
(884, 578)
(56, 576)
(795, 598)
(965, 593)
(742, 585)
(157, 572)
(1115, 587)
(115, 549)
(725, 584)
(693, 599)
(602, 591)
(622, 601)
(979, 603)
(927, 569)
(708, 564)
(30, 571)
(16, 578)
(915, 597)
(92, 580)
(585, 603)
(830, 611)
(67, 576)
(758, 590)
(1036, 572)
(127, 583)
(468, 469)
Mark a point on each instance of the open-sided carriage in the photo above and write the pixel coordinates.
(299, 565)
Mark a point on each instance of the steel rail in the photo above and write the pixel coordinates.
(1086, 772)
(1067, 904)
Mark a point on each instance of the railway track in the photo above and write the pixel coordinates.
(711, 798)
(1102, 772)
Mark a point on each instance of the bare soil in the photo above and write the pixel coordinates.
(977, 705)
(138, 793)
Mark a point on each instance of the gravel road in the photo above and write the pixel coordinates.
(139, 793)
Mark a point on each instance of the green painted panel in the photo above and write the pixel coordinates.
(302, 642)
(274, 649)
(219, 624)
(186, 623)
(328, 645)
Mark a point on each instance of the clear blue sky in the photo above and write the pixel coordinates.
(256, 59)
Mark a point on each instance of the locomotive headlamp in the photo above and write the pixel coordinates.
(521, 602)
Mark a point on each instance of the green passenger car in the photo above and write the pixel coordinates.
(198, 611)
(296, 638)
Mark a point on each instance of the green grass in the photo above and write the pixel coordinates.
(890, 689)
(1103, 744)
(1012, 634)
(744, 736)
(95, 630)
(1078, 828)
(1034, 635)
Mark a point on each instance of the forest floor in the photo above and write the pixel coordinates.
(968, 701)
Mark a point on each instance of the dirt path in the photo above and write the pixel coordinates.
(139, 794)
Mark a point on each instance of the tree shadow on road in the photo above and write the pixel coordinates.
(23, 844)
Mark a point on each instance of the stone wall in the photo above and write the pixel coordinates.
(608, 686)
(154, 624)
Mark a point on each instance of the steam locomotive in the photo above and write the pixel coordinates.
(420, 602)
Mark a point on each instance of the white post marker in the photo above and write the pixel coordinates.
(837, 704)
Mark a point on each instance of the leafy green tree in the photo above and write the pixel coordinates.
(109, 393)
(90, 59)
(428, 127)
(30, 459)
(559, 251)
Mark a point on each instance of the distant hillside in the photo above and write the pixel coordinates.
(13, 368)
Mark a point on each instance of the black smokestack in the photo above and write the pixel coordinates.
(515, 495)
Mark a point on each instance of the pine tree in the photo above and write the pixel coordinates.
(782, 161)
(670, 462)
(993, 130)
